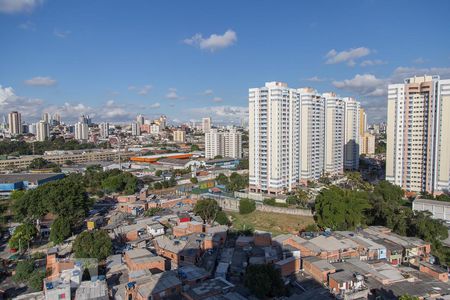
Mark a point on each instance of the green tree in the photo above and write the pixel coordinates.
(60, 230)
(341, 209)
(22, 235)
(195, 147)
(93, 244)
(237, 182)
(246, 206)
(408, 297)
(152, 211)
(24, 269)
(36, 280)
(243, 164)
(222, 179)
(222, 218)
(40, 163)
(207, 209)
(158, 173)
(218, 157)
(264, 281)
(194, 180)
(157, 186)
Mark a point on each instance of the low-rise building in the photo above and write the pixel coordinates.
(142, 259)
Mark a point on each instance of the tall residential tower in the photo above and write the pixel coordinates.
(418, 134)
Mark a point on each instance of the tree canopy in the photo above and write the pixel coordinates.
(60, 230)
(340, 209)
(93, 244)
(207, 209)
(22, 235)
(264, 281)
(246, 206)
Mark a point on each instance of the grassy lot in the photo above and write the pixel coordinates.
(272, 222)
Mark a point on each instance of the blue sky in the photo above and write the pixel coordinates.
(188, 59)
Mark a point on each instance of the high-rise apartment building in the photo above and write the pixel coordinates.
(15, 123)
(81, 131)
(334, 134)
(42, 131)
(273, 138)
(367, 144)
(46, 117)
(104, 129)
(362, 121)
(296, 135)
(223, 143)
(135, 129)
(351, 134)
(206, 124)
(312, 134)
(179, 136)
(56, 119)
(418, 134)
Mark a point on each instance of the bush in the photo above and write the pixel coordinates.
(24, 269)
(246, 206)
(93, 244)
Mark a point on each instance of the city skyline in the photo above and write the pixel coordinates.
(77, 60)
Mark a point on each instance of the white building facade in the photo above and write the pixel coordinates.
(223, 143)
(418, 134)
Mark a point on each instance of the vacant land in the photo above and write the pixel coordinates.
(272, 222)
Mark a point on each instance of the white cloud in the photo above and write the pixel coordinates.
(155, 105)
(41, 81)
(315, 79)
(208, 92)
(401, 73)
(172, 94)
(369, 63)
(28, 25)
(364, 85)
(61, 33)
(348, 56)
(18, 6)
(143, 91)
(225, 112)
(9, 101)
(217, 99)
(419, 60)
(213, 42)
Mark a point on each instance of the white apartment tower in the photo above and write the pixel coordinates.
(179, 136)
(223, 143)
(46, 117)
(42, 131)
(334, 134)
(135, 129)
(81, 131)
(206, 124)
(351, 134)
(15, 123)
(104, 129)
(273, 138)
(418, 134)
(312, 134)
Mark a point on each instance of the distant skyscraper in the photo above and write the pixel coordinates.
(42, 131)
(418, 134)
(32, 129)
(15, 123)
(206, 124)
(81, 131)
(362, 121)
(46, 118)
(104, 129)
(223, 143)
(140, 119)
(135, 129)
(56, 118)
(179, 136)
(367, 144)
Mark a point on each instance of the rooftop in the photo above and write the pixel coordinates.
(30, 177)
(88, 290)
